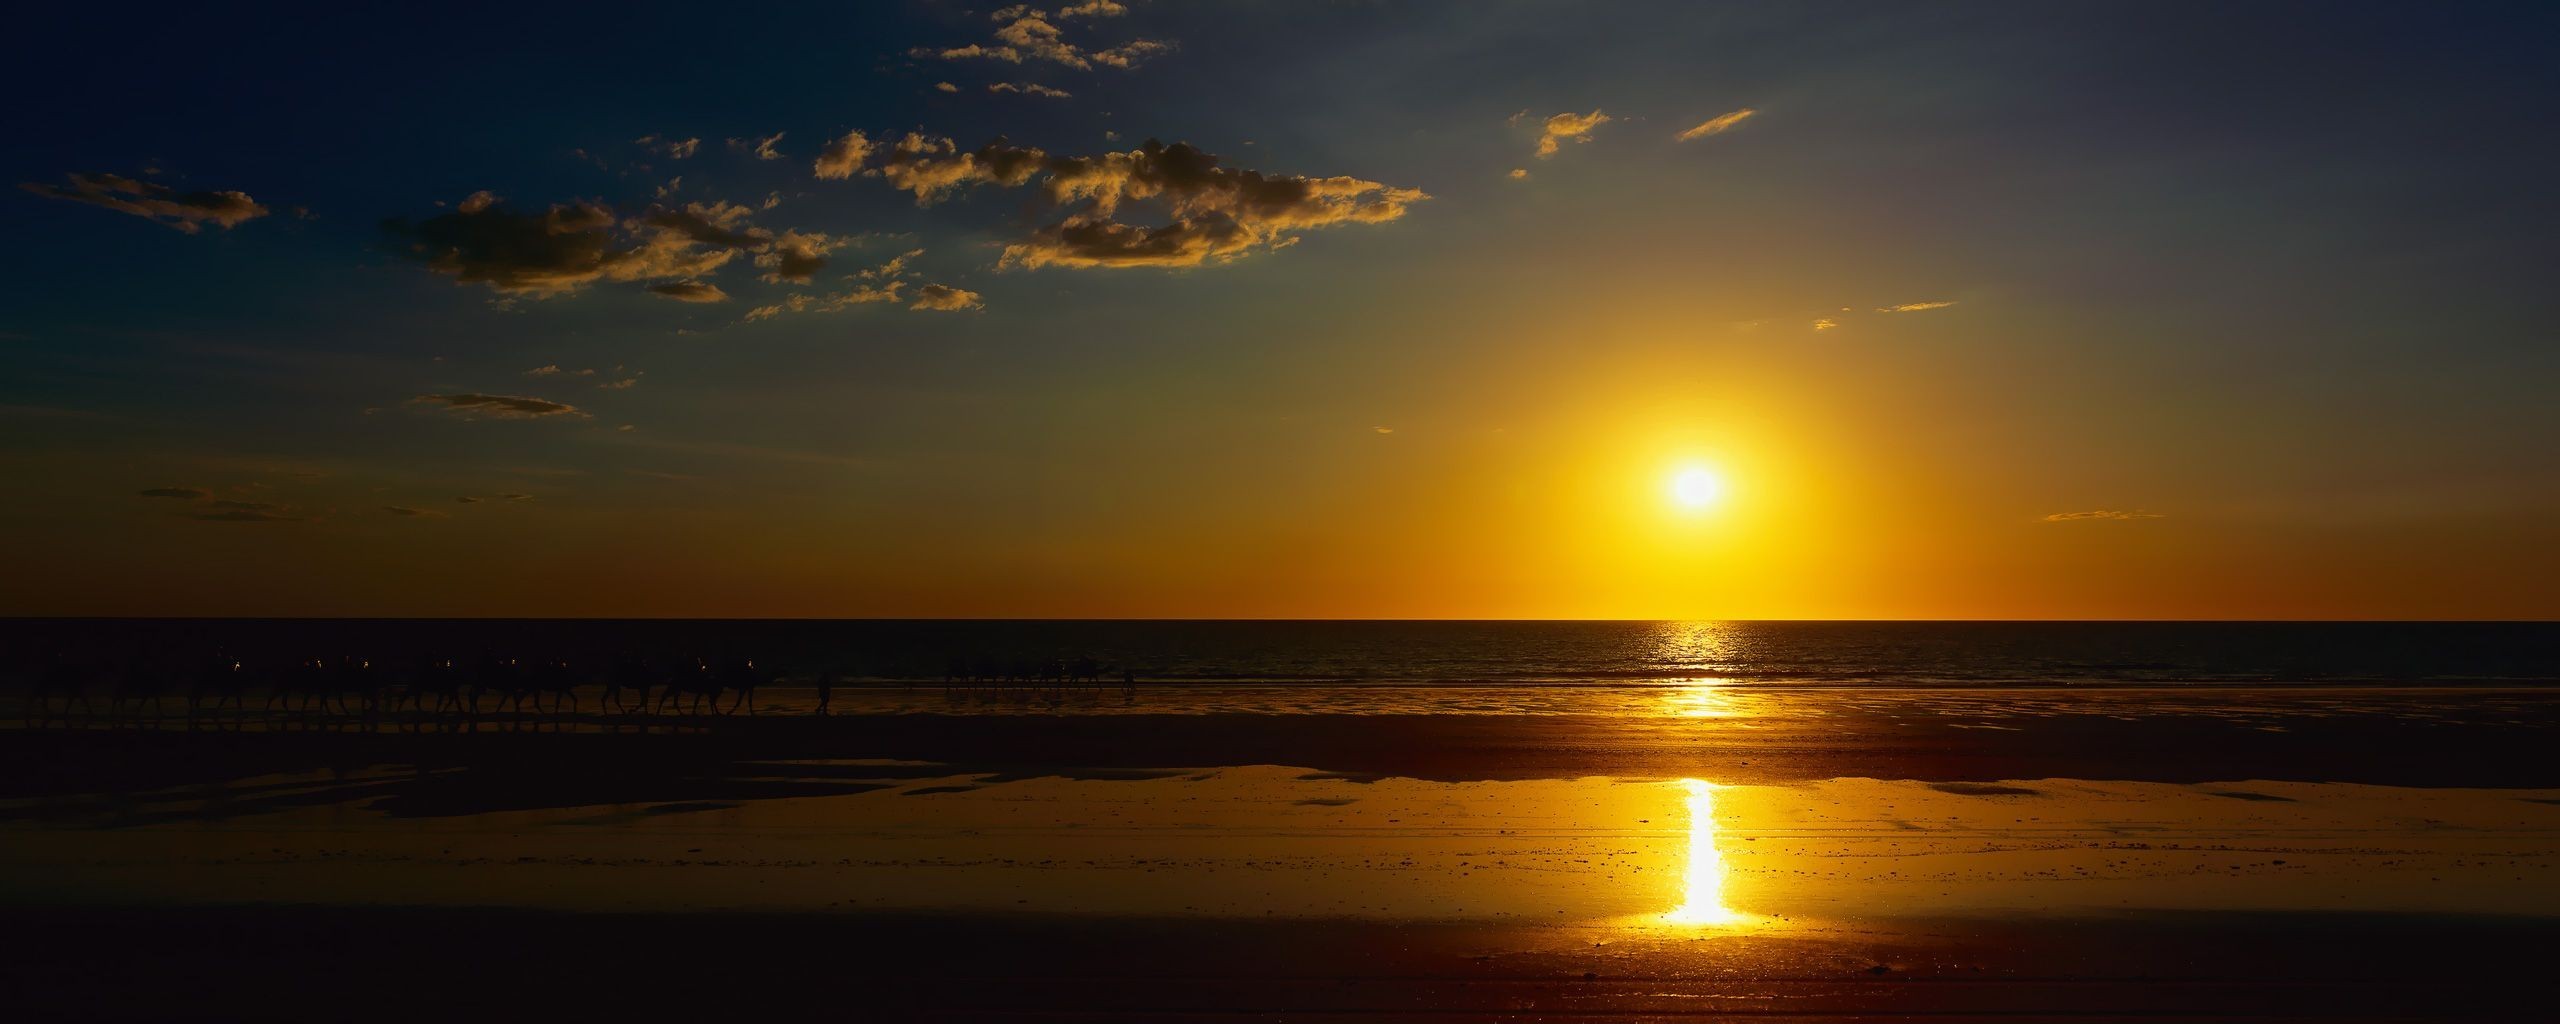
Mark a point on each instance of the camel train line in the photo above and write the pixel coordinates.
(71, 690)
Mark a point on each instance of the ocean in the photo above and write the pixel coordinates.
(1409, 653)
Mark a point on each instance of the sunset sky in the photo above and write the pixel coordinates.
(1407, 310)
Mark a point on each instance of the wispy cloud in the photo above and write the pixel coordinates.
(1577, 127)
(1913, 307)
(406, 512)
(511, 407)
(181, 493)
(1716, 125)
(155, 202)
(689, 291)
(762, 148)
(672, 149)
(2103, 514)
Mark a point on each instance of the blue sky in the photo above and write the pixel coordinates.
(2271, 275)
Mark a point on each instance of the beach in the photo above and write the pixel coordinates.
(1692, 852)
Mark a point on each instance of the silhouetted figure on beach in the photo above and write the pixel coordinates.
(739, 675)
(629, 673)
(692, 681)
(826, 690)
(65, 679)
(1128, 686)
(219, 680)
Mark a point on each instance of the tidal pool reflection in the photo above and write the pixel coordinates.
(1702, 886)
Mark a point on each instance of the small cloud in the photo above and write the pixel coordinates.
(509, 407)
(180, 493)
(1913, 307)
(1568, 125)
(945, 87)
(944, 298)
(1029, 89)
(468, 500)
(184, 211)
(689, 291)
(412, 513)
(625, 384)
(2101, 514)
(1715, 125)
(1519, 174)
(1824, 324)
(760, 148)
(516, 497)
(1384, 430)
(1028, 35)
(842, 157)
(543, 371)
(626, 428)
(672, 149)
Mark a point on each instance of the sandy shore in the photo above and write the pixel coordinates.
(2355, 854)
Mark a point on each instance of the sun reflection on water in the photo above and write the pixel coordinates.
(1702, 889)
(1701, 698)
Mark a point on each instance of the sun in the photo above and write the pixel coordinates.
(1697, 487)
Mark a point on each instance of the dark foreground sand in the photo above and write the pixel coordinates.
(337, 964)
(2357, 855)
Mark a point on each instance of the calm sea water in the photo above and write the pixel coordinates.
(1982, 654)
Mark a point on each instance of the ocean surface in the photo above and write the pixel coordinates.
(1411, 654)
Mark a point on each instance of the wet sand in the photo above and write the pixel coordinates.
(2234, 855)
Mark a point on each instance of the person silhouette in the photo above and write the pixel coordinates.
(826, 690)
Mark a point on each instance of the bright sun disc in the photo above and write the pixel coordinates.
(1697, 487)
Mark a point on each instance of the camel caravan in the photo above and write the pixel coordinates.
(71, 690)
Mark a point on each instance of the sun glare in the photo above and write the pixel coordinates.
(1697, 487)
(1702, 889)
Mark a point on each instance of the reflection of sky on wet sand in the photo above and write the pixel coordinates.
(1282, 842)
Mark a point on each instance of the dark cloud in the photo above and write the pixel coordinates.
(413, 513)
(944, 298)
(183, 493)
(513, 407)
(571, 245)
(796, 255)
(158, 203)
(2100, 514)
(932, 167)
(468, 500)
(1216, 212)
(516, 497)
(1029, 89)
(719, 225)
(690, 291)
